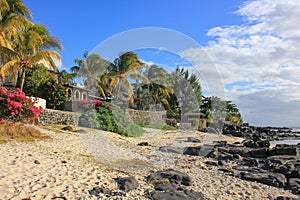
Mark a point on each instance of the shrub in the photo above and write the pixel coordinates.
(55, 95)
(14, 105)
(107, 117)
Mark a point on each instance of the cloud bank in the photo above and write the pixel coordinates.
(259, 61)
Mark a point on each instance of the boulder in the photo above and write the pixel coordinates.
(127, 183)
(294, 185)
(260, 153)
(170, 176)
(193, 140)
(268, 178)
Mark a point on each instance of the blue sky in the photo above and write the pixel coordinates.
(82, 25)
(243, 44)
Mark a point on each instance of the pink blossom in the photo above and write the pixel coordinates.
(109, 107)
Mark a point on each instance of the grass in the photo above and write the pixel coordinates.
(160, 127)
(10, 132)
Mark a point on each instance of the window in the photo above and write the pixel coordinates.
(77, 95)
(84, 96)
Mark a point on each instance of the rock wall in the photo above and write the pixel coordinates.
(49, 116)
(146, 117)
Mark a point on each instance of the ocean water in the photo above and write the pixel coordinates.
(290, 141)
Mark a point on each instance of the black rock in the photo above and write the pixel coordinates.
(194, 140)
(68, 128)
(251, 162)
(268, 178)
(166, 186)
(126, 184)
(242, 151)
(261, 153)
(285, 198)
(170, 176)
(193, 151)
(213, 163)
(143, 144)
(286, 150)
(225, 156)
(294, 185)
(169, 149)
(36, 162)
(263, 143)
(97, 190)
(177, 195)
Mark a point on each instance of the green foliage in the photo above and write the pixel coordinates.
(39, 82)
(64, 77)
(35, 78)
(110, 118)
(55, 94)
(217, 109)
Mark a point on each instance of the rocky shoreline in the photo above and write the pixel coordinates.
(254, 159)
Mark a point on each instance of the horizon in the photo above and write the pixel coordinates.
(249, 42)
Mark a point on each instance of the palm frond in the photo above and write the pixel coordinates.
(11, 69)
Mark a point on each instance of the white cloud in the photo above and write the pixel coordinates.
(263, 51)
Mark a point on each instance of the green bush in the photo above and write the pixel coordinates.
(111, 118)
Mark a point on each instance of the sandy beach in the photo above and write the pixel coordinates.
(72, 163)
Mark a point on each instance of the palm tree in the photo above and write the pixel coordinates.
(119, 72)
(31, 45)
(157, 90)
(93, 69)
(13, 14)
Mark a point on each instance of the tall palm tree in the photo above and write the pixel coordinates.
(31, 45)
(93, 69)
(157, 91)
(120, 71)
(13, 14)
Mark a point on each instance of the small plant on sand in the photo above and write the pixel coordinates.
(108, 117)
(15, 106)
(10, 131)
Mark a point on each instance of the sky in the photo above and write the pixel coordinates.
(250, 48)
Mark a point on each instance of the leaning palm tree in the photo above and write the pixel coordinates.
(31, 45)
(93, 69)
(120, 71)
(13, 14)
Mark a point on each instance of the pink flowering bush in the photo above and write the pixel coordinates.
(15, 106)
(86, 105)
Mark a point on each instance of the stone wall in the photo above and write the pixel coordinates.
(49, 116)
(146, 117)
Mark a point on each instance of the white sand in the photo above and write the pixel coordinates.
(71, 164)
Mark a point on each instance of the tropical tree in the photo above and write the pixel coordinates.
(31, 45)
(13, 14)
(156, 91)
(187, 90)
(120, 71)
(217, 109)
(93, 69)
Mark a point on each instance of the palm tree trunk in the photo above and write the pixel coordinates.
(22, 79)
